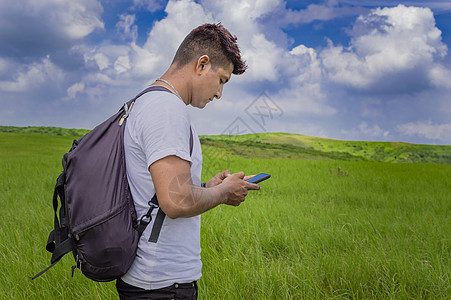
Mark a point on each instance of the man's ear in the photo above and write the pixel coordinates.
(203, 64)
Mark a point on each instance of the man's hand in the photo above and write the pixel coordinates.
(217, 179)
(236, 188)
(178, 197)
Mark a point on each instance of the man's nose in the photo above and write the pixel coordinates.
(219, 92)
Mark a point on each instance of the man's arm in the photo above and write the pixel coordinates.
(178, 197)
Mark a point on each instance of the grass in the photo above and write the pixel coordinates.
(343, 150)
(321, 228)
(382, 232)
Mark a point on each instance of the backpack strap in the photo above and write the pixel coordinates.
(158, 224)
(59, 242)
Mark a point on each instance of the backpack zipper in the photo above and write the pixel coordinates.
(76, 234)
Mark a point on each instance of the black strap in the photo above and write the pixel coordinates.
(62, 249)
(157, 225)
(42, 272)
(50, 246)
(145, 220)
(191, 142)
(58, 242)
(58, 250)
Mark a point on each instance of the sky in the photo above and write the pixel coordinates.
(351, 70)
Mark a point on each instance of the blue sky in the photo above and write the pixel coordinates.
(352, 70)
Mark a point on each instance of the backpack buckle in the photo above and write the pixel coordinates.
(127, 112)
(145, 219)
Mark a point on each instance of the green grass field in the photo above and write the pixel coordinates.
(325, 226)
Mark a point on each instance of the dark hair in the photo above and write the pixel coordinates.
(212, 40)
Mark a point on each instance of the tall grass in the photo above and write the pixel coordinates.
(381, 232)
(372, 230)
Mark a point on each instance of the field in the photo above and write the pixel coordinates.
(329, 224)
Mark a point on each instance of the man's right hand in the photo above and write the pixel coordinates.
(236, 188)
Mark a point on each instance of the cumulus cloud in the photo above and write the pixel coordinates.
(391, 50)
(36, 28)
(182, 17)
(142, 63)
(263, 57)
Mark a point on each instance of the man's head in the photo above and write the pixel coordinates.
(214, 41)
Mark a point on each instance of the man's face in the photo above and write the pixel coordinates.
(210, 85)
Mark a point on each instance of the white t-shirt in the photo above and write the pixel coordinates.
(159, 126)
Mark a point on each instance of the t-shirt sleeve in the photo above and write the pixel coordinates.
(163, 128)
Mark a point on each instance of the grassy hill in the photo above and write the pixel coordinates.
(287, 145)
(45, 130)
(294, 146)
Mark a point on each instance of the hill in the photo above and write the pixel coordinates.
(45, 130)
(287, 145)
(293, 146)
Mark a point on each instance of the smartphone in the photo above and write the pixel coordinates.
(259, 178)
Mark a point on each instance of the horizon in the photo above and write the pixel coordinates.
(206, 135)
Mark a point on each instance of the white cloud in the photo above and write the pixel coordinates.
(367, 133)
(70, 19)
(122, 64)
(32, 76)
(243, 19)
(440, 76)
(76, 19)
(101, 60)
(392, 49)
(374, 131)
(145, 64)
(34, 30)
(427, 129)
(307, 99)
(74, 89)
(127, 28)
(241, 12)
(327, 11)
(167, 34)
(305, 65)
(263, 58)
(156, 54)
(150, 5)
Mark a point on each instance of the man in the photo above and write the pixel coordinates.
(163, 156)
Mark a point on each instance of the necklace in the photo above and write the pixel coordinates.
(167, 82)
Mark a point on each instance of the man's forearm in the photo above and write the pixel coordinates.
(193, 200)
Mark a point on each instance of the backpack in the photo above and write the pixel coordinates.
(97, 219)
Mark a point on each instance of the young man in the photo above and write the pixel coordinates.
(163, 156)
